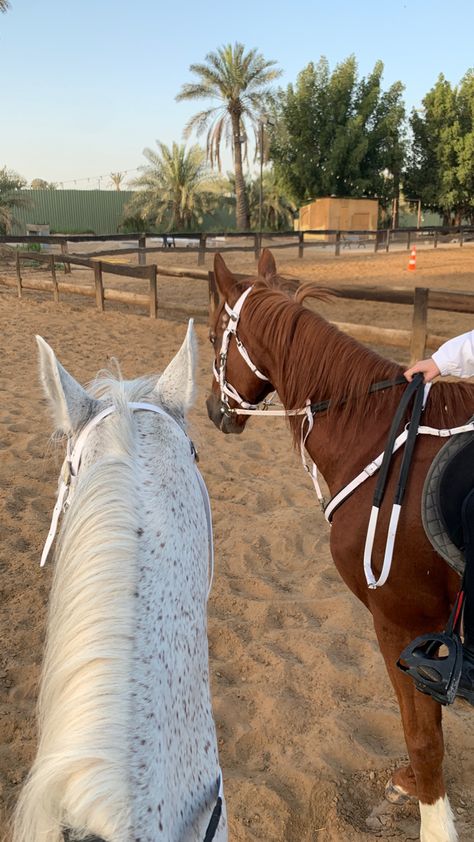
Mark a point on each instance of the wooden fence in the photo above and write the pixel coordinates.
(97, 291)
(417, 340)
(205, 243)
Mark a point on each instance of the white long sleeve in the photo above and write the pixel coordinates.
(456, 356)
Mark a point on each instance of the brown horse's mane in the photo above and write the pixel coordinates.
(318, 361)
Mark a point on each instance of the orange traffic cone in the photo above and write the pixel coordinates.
(412, 261)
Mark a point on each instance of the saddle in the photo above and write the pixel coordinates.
(448, 483)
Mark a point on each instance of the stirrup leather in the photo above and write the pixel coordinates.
(436, 675)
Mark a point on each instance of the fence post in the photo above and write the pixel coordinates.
(153, 292)
(337, 249)
(18, 273)
(419, 324)
(256, 246)
(387, 243)
(376, 243)
(300, 244)
(408, 240)
(99, 286)
(202, 249)
(67, 266)
(435, 243)
(54, 279)
(213, 295)
(461, 237)
(141, 247)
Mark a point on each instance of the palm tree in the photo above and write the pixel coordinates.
(117, 178)
(177, 188)
(239, 81)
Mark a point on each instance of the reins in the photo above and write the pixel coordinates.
(382, 461)
(416, 389)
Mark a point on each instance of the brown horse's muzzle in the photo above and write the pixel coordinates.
(224, 422)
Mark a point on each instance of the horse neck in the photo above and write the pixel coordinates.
(307, 358)
(129, 606)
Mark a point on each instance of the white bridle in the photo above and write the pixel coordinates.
(72, 463)
(227, 390)
(246, 408)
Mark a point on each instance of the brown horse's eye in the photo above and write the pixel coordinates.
(212, 338)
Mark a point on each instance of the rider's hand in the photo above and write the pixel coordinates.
(427, 367)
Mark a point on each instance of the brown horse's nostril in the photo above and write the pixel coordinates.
(224, 422)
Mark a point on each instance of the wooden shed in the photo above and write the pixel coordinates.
(338, 214)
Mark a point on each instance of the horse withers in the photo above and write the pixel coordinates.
(340, 399)
(127, 744)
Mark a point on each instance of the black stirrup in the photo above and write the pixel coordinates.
(435, 674)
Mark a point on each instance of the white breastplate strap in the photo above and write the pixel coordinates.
(313, 470)
(369, 471)
(70, 470)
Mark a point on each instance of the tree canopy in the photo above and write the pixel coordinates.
(41, 184)
(10, 197)
(336, 135)
(440, 168)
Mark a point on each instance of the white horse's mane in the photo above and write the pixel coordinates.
(90, 636)
(108, 659)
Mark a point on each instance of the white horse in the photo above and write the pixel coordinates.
(127, 744)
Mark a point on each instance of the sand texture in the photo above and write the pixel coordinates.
(309, 729)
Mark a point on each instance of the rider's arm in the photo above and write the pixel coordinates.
(456, 357)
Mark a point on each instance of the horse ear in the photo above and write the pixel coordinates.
(70, 404)
(175, 387)
(266, 265)
(224, 278)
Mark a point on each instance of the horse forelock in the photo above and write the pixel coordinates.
(107, 385)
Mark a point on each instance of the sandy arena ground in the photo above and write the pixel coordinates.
(308, 726)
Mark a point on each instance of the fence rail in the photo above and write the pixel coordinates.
(416, 340)
(381, 239)
(98, 291)
(421, 299)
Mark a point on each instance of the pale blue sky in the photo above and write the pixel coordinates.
(86, 85)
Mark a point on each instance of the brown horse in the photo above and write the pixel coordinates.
(305, 357)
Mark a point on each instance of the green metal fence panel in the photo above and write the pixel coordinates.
(73, 211)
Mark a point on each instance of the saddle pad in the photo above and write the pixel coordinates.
(448, 482)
